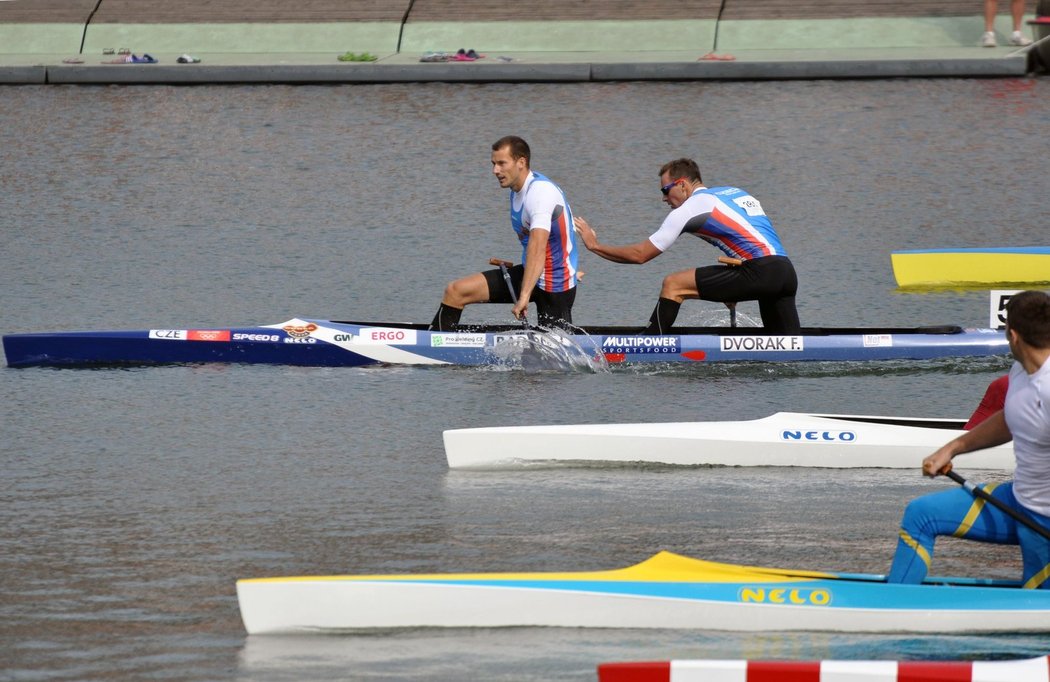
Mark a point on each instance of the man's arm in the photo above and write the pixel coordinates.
(642, 252)
(989, 433)
(535, 256)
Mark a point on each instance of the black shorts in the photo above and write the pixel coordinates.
(770, 280)
(551, 308)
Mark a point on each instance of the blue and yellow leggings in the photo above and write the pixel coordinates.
(957, 512)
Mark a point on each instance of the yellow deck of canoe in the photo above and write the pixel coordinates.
(1020, 266)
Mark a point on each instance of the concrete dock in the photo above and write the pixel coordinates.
(271, 41)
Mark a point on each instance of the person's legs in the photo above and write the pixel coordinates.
(952, 512)
(990, 8)
(779, 315)
(554, 309)
(1017, 13)
(1035, 555)
(676, 287)
(776, 284)
(481, 287)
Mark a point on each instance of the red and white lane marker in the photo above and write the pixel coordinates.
(1026, 670)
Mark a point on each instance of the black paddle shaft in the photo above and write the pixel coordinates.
(981, 493)
(510, 288)
(510, 284)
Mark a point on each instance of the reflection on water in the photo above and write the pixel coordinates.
(572, 654)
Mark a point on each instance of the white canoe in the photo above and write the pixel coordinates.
(782, 439)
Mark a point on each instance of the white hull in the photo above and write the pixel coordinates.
(319, 606)
(782, 439)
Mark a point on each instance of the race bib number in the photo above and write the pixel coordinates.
(749, 205)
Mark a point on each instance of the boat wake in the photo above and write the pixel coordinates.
(543, 349)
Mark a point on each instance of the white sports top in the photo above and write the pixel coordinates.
(1027, 412)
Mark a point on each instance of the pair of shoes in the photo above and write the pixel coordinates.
(133, 59)
(107, 50)
(988, 39)
(355, 57)
(467, 55)
(187, 59)
(124, 50)
(1020, 40)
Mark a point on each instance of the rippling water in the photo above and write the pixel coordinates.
(132, 499)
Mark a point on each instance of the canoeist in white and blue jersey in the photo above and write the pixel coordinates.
(1025, 419)
(756, 266)
(542, 221)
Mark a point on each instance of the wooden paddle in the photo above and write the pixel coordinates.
(503, 265)
(981, 493)
(732, 306)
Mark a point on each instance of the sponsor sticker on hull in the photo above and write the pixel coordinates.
(761, 344)
(385, 336)
(641, 344)
(264, 338)
(798, 596)
(818, 436)
(221, 335)
(457, 340)
(878, 340)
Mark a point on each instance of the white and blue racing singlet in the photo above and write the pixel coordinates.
(727, 217)
(541, 205)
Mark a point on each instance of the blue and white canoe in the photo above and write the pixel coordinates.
(333, 343)
(791, 439)
(664, 591)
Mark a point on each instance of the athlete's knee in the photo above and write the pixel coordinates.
(461, 292)
(918, 519)
(451, 295)
(675, 288)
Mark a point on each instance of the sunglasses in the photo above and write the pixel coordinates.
(666, 189)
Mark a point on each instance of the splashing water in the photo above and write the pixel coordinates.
(540, 349)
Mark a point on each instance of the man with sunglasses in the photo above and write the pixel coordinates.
(755, 267)
(542, 220)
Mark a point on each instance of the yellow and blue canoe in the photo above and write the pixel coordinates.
(972, 267)
(664, 591)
